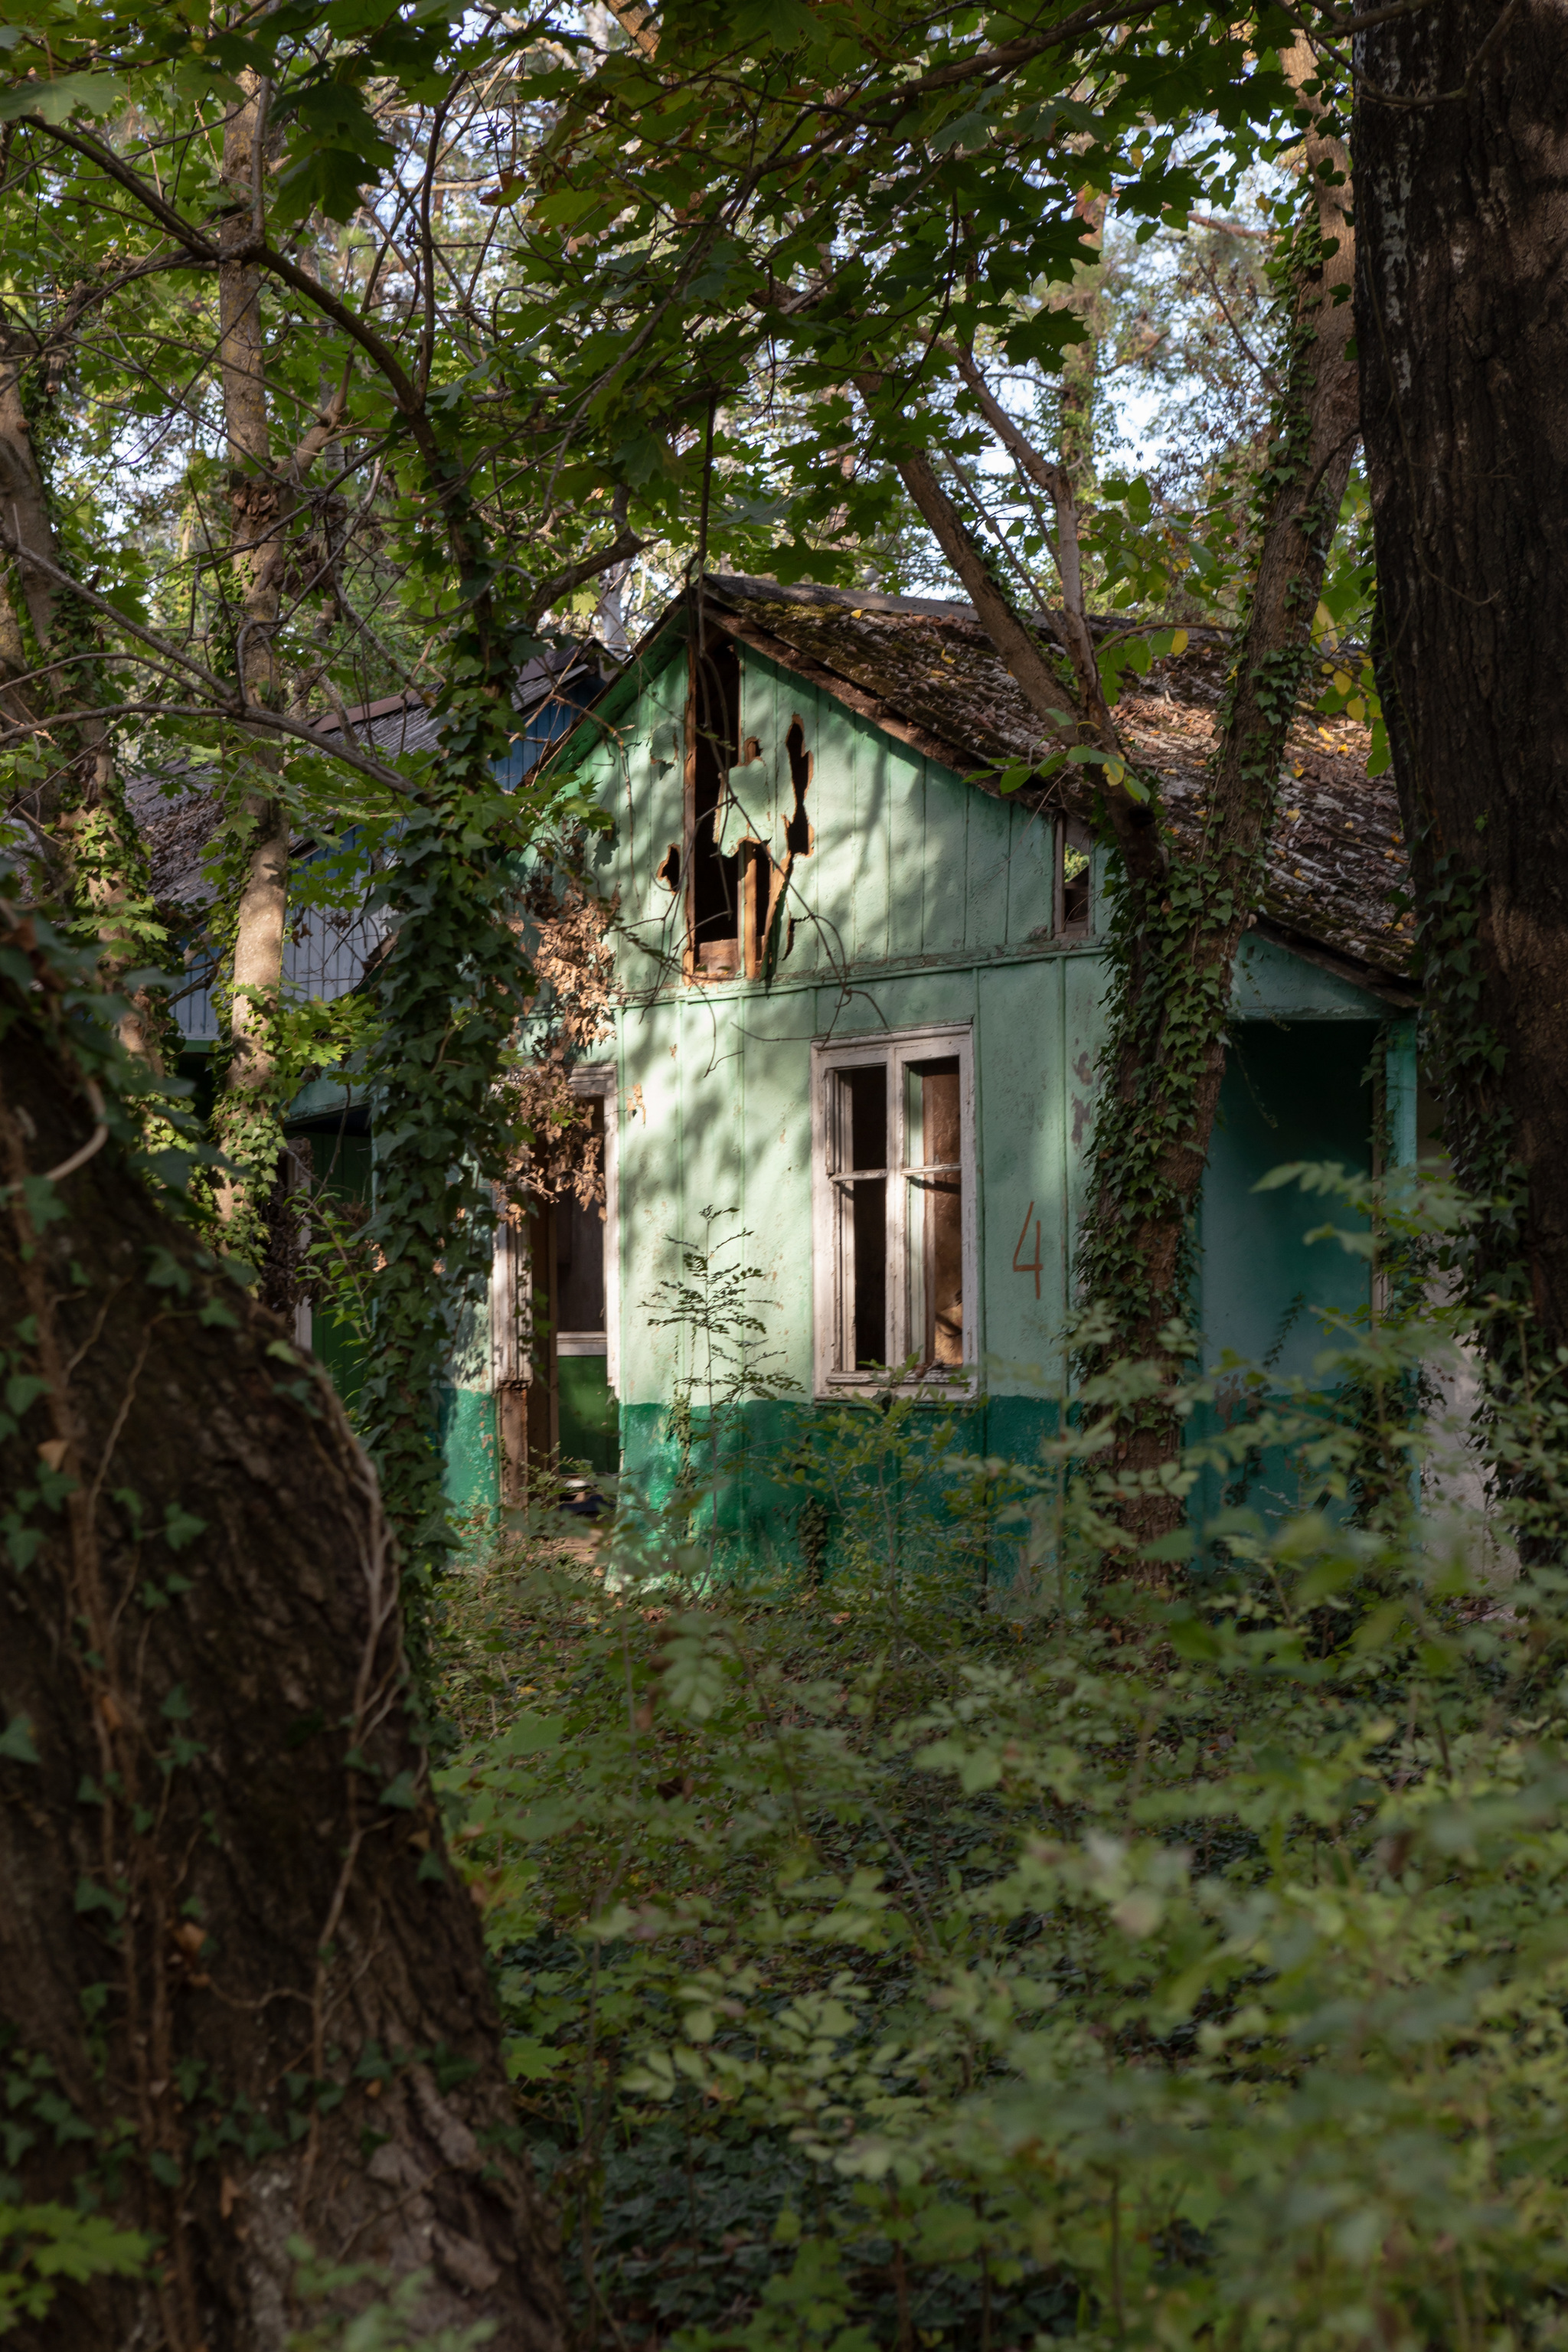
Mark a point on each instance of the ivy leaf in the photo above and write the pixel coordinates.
(16, 1741)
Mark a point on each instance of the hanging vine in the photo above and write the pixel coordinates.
(568, 929)
(1176, 925)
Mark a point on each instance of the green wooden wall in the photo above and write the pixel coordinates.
(923, 900)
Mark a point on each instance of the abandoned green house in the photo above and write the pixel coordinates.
(858, 1009)
(856, 1012)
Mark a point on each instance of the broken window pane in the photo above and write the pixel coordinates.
(871, 1301)
(862, 1145)
(935, 1217)
(866, 1091)
(713, 879)
(896, 1201)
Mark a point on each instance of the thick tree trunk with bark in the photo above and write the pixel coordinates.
(241, 1987)
(1461, 146)
(87, 849)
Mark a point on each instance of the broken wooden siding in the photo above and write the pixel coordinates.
(907, 861)
(1336, 862)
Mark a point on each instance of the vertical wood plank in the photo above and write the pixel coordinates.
(944, 881)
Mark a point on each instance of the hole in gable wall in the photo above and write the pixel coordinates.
(669, 872)
(1075, 912)
(799, 838)
(713, 879)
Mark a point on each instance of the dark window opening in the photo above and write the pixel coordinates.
(669, 872)
(797, 825)
(866, 1092)
(935, 1220)
(864, 1113)
(1073, 878)
(714, 881)
(870, 1213)
(580, 1256)
(757, 904)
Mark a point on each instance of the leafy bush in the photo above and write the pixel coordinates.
(42, 2243)
(903, 1958)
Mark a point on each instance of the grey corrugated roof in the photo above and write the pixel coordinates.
(176, 824)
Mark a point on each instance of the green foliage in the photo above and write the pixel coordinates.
(41, 2244)
(389, 2321)
(900, 1957)
(712, 1302)
(1173, 934)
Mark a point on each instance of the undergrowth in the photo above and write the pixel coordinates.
(900, 1958)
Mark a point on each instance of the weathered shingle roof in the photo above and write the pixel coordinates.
(928, 672)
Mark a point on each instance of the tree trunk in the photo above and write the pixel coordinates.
(1181, 919)
(1080, 368)
(1461, 139)
(90, 858)
(258, 501)
(243, 1995)
(1165, 1055)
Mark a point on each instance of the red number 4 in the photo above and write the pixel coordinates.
(1021, 1264)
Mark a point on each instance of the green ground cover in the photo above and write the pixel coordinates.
(968, 1950)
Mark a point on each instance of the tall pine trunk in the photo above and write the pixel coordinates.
(1461, 145)
(243, 1997)
(258, 502)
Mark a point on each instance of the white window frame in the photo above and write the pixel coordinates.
(894, 1049)
(512, 1294)
(591, 1079)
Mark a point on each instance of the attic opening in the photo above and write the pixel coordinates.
(1073, 910)
(713, 881)
(798, 835)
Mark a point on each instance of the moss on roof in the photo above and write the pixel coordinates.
(1336, 855)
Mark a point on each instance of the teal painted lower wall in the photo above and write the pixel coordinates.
(466, 1433)
(796, 1487)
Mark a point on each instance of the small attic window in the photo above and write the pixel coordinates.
(1074, 908)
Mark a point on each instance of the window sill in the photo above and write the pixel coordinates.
(958, 1388)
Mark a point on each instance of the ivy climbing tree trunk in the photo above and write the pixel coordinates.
(1461, 140)
(1178, 922)
(243, 1997)
(247, 1122)
(1176, 939)
(90, 860)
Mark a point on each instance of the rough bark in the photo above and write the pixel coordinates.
(87, 846)
(231, 1933)
(1461, 145)
(1169, 1024)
